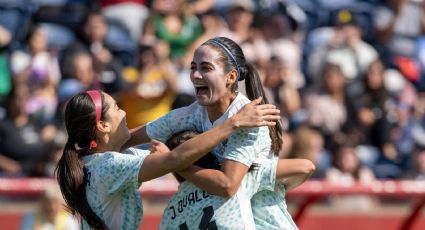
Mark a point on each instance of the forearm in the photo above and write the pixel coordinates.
(293, 172)
(193, 149)
(293, 181)
(210, 180)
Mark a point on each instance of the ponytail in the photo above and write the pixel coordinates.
(70, 173)
(254, 89)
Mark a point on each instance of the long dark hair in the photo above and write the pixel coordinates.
(246, 71)
(80, 123)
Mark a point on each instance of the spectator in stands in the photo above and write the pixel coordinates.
(23, 140)
(346, 170)
(279, 35)
(38, 67)
(152, 92)
(345, 48)
(396, 156)
(172, 22)
(240, 18)
(105, 64)
(213, 24)
(131, 13)
(374, 106)
(331, 96)
(83, 71)
(45, 166)
(417, 170)
(279, 81)
(51, 213)
(397, 25)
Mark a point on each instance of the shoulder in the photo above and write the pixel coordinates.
(107, 159)
(239, 102)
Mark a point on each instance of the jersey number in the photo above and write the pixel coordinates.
(206, 223)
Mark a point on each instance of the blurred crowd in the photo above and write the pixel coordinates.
(347, 75)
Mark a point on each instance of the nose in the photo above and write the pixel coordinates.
(195, 75)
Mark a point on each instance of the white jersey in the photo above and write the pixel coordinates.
(270, 211)
(246, 146)
(113, 187)
(193, 208)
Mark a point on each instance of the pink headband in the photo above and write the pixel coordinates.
(97, 101)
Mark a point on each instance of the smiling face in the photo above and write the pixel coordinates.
(117, 124)
(212, 83)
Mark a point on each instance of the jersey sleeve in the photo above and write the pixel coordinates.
(261, 178)
(267, 174)
(121, 171)
(173, 122)
(246, 145)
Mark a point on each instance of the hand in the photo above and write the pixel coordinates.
(255, 115)
(158, 147)
(9, 165)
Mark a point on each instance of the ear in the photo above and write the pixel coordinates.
(103, 126)
(232, 76)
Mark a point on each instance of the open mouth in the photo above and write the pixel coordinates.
(201, 90)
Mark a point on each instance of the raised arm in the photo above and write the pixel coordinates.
(252, 115)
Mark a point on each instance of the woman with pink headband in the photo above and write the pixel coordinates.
(100, 184)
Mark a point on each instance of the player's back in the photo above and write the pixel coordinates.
(193, 208)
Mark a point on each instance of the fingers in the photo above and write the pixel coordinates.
(155, 142)
(271, 118)
(256, 101)
(266, 112)
(265, 123)
(269, 123)
(266, 106)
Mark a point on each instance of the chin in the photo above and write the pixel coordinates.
(205, 101)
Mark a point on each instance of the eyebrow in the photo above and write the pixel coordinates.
(202, 63)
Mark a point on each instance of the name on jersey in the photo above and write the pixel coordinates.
(188, 200)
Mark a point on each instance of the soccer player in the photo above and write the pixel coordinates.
(193, 208)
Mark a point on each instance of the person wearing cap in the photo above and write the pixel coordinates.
(100, 182)
(346, 48)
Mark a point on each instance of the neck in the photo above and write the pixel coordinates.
(106, 144)
(216, 110)
(106, 148)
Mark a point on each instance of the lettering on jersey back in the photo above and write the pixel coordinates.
(188, 200)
